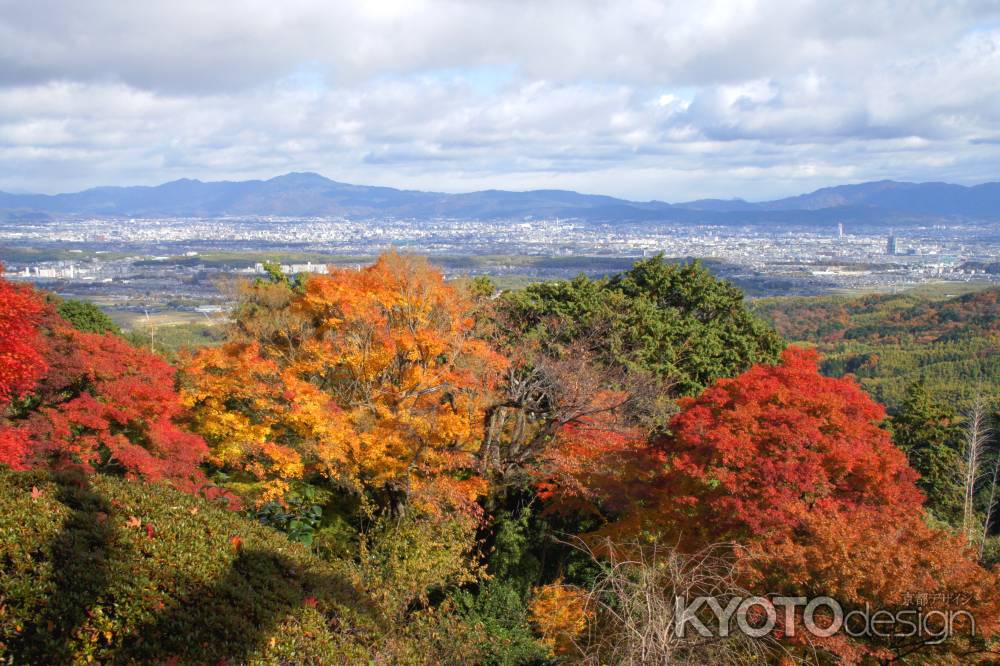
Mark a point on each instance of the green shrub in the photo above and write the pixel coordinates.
(991, 551)
(500, 614)
(436, 635)
(404, 560)
(298, 516)
(86, 317)
(104, 570)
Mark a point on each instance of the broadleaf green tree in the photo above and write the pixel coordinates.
(86, 317)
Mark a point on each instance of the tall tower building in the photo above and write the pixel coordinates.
(890, 245)
(840, 230)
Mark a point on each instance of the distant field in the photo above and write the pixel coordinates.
(138, 320)
(932, 290)
(65, 252)
(171, 339)
(515, 282)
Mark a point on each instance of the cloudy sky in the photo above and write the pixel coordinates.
(665, 100)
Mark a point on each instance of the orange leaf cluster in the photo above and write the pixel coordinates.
(380, 385)
(866, 562)
(561, 614)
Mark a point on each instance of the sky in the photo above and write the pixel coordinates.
(645, 100)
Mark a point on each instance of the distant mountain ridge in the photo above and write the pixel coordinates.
(919, 198)
(310, 194)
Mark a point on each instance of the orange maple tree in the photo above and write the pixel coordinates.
(596, 466)
(560, 613)
(373, 378)
(900, 567)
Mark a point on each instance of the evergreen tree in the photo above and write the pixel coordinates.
(677, 322)
(929, 433)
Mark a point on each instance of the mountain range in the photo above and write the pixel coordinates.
(310, 194)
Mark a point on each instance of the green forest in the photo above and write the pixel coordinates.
(892, 341)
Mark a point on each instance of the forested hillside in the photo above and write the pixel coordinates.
(379, 466)
(891, 341)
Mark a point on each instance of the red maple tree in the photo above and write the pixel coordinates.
(21, 364)
(106, 405)
(795, 467)
(91, 401)
(749, 455)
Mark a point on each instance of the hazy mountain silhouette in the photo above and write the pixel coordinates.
(310, 194)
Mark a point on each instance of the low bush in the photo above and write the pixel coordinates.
(98, 569)
(500, 614)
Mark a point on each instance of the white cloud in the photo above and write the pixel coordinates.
(643, 99)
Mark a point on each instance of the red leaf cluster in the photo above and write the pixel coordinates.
(749, 455)
(21, 365)
(96, 402)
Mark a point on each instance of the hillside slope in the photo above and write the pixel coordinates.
(890, 341)
(111, 571)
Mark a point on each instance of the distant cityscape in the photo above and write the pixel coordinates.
(176, 263)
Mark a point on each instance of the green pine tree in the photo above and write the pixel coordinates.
(930, 435)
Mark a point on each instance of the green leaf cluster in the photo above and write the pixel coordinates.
(676, 321)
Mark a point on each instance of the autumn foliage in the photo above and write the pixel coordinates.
(561, 614)
(864, 560)
(747, 458)
(797, 469)
(374, 410)
(372, 378)
(21, 364)
(752, 454)
(91, 402)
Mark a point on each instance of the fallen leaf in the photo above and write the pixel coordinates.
(35, 492)
(150, 532)
(133, 522)
(237, 542)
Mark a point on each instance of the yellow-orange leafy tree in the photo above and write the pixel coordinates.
(560, 613)
(372, 378)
